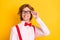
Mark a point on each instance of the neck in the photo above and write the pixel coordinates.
(27, 21)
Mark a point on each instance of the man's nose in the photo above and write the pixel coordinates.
(25, 13)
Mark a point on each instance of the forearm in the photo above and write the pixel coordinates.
(43, 26)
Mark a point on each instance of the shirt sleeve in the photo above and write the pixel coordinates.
(13, 34)
(43, 30)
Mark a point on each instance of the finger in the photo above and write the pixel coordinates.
(33, 12)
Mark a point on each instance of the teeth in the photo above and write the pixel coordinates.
(26, 16)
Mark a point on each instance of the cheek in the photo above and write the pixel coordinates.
(22, 15)
(29, 15)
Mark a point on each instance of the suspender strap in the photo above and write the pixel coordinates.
(19, 34)
(34, 28)
(18, 31)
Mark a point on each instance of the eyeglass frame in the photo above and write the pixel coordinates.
(23, 11)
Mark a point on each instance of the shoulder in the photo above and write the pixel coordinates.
(13, 28)
(34, 27)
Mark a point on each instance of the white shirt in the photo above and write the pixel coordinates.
(27, 32)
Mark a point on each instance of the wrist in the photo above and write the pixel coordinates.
(37, 18)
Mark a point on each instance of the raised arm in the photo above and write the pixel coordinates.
(42, 30)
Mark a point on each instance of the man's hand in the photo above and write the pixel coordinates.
(35, 14)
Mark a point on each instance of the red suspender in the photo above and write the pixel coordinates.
(33, 28)
(19, 34)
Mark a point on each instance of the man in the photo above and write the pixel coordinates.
(25, 30)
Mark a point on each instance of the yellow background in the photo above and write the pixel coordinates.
(48, 10)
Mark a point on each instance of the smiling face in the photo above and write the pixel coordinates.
(26, 14)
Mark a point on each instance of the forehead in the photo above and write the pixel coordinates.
(26, 9)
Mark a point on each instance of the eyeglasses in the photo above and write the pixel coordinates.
(26, 11)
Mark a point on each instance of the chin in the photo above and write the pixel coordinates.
(26, 19)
